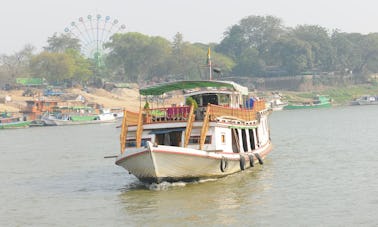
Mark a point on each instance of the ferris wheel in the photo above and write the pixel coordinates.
(93, 32)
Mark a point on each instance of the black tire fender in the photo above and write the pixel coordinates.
(223, 164)
(259, 158)
(242, 162)
(251, 160)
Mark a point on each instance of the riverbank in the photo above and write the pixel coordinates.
(128, 98)
(117, 98)
(340, 96)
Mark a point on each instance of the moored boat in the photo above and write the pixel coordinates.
(365, 100)
(319, 101)
(275, 102)
(8, 121)
(75, 119)
(213, 136)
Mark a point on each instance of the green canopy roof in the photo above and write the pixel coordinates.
(160, 89)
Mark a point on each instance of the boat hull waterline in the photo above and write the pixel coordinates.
(156, 164)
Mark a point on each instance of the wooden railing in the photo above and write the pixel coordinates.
(131, 118)
(139, 129)
(180, 113)
(189, 126)
(124, 130)
(205, 127)
(243, 113)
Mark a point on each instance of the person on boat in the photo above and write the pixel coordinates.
(249, 103)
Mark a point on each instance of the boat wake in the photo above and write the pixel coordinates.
(165, 185)
(168, 185)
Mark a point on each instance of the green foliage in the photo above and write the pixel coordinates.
(54, 67)
(59, 67)
(60, 44)
(257, 46)
(140, 58)
(146, 106)
(191, 102)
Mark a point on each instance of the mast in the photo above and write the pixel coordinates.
(209, 63)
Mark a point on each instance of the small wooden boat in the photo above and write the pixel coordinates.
(319, 101)
(10, 121)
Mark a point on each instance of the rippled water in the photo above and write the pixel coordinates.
(322, 172)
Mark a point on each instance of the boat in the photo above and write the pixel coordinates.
(35, 109)
(8, 121)
(366, 100)
(319, 101)
(217, 132)
(59, 119)
(275, 102)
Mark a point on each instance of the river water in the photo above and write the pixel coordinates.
(322, 172)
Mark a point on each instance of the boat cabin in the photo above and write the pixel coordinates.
(35, 108)
(225, 119)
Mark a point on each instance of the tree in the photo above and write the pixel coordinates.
(137, 57)
(253, 37)
(346, 52)
(60, 44)
(54, 67)
(82, 72)
(321, 47)
(249, 63)
(295, 55)
(17, 65)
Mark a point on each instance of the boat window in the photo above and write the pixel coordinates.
(235, 140)
(224, 99)
(223, 138)
(257, 138)
(198, 100)
(196, 140)
(132, 142)
(244, 139)
(172, 138)
(209, 98)
(251, 138)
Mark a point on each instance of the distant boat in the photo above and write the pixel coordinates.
(72, 119)
(276, 103)
(319, 101)
(366, 100)
(9, 121)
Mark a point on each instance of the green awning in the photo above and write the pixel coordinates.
(160, 89)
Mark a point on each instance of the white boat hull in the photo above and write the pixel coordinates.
(51, 121)
(167, 163)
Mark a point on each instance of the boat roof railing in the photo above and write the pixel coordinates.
(160, 89)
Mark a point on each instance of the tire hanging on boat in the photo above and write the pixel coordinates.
(259, 158)
(251, 160)
(223, 164)
(242, 162)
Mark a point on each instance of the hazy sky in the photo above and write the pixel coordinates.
(33, 21)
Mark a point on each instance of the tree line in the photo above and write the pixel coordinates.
(257, 46)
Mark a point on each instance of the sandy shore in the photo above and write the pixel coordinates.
(117, 98)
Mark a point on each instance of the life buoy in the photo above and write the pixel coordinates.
(259, 158)
(242, 162)
(223, 164)
(251, 160)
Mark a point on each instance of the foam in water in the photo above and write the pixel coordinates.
(165, 185)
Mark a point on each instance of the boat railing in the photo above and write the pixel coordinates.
(181, 113)
(240, 113)
(166, 114)
(132, 118)
(184, 114)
